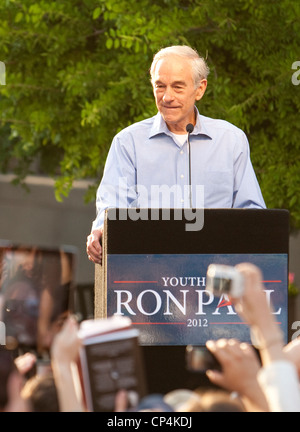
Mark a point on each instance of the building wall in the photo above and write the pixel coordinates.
(36, 218)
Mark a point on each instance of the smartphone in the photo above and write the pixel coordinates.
(200, 359)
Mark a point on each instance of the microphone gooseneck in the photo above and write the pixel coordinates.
(189, 128)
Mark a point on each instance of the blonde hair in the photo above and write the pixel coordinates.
(200, 69)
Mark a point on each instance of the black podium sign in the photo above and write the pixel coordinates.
(155, 270)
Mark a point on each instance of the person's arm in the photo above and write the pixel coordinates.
(64, 355)
(279, 382)
(247, 192)
(254, 308)
(281, 393)
(292, 353)
(117, 189)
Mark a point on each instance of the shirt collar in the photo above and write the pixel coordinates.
(200, 126)
(160, 127)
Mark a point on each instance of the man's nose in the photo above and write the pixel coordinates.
(168, 95)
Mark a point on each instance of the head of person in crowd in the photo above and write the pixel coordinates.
(41, 394)
(217, 401)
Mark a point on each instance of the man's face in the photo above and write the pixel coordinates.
(175, 93)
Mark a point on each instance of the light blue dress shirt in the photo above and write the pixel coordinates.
(147, 168)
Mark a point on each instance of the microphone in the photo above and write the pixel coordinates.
(189, 128)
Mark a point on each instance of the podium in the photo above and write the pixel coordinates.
(154, 271)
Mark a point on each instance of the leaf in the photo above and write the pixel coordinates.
(19, 17)
(109, 43)
(96, 13)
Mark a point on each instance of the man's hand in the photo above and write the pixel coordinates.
(93, 246)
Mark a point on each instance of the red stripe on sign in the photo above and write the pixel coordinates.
(234, 323)
(272, 281)
(160, 323)
(135, 282)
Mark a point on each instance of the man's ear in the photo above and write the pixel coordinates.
(201, 89)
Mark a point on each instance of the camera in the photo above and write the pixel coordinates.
(200, 359)
(224, 279)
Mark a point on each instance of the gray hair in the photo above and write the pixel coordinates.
(200, 69)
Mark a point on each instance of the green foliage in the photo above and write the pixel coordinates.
(293, 290)
(77, 72)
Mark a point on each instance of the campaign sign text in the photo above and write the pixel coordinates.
(165, 296)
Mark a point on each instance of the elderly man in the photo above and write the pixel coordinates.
(151, 163)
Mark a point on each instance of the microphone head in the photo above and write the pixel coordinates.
(189, 128)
